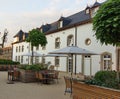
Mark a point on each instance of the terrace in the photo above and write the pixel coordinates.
(20, 90)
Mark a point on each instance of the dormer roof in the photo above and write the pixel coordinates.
(96, 4)
(19, 33)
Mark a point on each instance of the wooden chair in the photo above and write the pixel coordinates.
(37, 76)
(51, 67)
(56, 76)
(42, 78)
(68, 83)
(16, 75)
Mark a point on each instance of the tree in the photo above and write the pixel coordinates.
(106, 23)
(36, 38)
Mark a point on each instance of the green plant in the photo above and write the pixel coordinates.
(105, 78)
(8, 62)
(35, 67)
(36, 38)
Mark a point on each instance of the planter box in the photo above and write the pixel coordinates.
(27, 76)
(5, 67)
(85, 91)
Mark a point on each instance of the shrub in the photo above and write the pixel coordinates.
(35, 67)
(105, 78)
(8, 62)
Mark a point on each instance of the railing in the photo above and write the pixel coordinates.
(85, 91)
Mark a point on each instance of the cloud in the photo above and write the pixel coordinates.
(27, 20)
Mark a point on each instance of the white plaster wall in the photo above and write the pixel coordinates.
(83, 32)
(51, 46)
(20, 53)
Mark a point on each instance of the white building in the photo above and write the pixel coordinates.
(72, 30)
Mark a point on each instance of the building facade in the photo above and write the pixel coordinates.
(67, 31)
(6, 53)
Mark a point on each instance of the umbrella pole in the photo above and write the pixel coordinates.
(90, 66)
(72, 66)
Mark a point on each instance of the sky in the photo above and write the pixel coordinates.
(29, 14)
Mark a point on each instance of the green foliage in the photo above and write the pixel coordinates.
(35, 67)
(8, 62)
(105, 78)
(36, 37)
(106, 23)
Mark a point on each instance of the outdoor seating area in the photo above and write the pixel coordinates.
(47, 76)
(43, 76)
(34, 90)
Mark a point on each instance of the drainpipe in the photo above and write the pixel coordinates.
(75, 45)
(117, 63)
(12, 53)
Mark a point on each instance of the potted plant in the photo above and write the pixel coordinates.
(27, 72)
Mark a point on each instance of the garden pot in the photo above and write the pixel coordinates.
(27, 76)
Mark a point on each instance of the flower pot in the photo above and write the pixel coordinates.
(27, 76)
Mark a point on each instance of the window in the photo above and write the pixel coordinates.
(37, 48)
(22, 48)
(16, 49)
(60, 24)
(93, 11)
(21, 59)
(19, 48)
(57, 43)
(41, 30)
(70, 64)
(87, 11)
(88, 41)
(106, 61)
(27, 47)
(16, 58)
(43, 60)
(36, 60)
(43, 47)
(26, 59)
(70, 40)
(56, 61)
(87, 56)
(23, 36)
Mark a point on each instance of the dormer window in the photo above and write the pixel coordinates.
(16, 39)
(23, 36)
(41, 30)
(60, 24)
(93, 11)
(87, 11)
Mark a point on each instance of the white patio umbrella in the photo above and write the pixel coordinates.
(56, 55)
(34, 54)
(73, 50)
